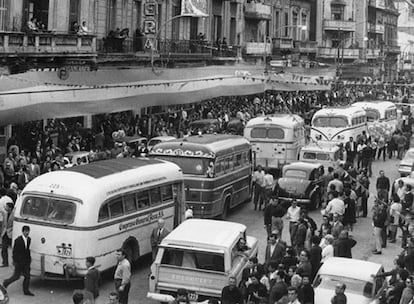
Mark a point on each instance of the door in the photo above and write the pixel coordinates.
(4, 12)
(193, 28)
(74, 13)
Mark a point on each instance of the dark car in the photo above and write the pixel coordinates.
(235, 126)
(303, 182)
(205, 126)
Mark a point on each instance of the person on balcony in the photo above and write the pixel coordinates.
(83, 29)
(31, 25)
(74, 28)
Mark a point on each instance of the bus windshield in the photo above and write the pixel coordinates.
(273, 133)
(330, 122)
(49, 209)
(372, 115)
(352, 285)
(189, 165)
(316, 156)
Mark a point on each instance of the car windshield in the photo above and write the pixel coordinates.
(330, 122)
(294, 173)
(49, 209)
(353, 286)
(409, 155)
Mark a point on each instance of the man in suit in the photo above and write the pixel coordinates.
(6, 233)
(275, 249)
(157, 235)
(22, 260)
(33, 169)
(92, 278)
(351, 150)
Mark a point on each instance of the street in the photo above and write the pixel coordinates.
(61, 291)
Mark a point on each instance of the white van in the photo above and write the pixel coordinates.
(200, 255)
(324, 153)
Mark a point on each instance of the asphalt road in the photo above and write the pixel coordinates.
(61, 291)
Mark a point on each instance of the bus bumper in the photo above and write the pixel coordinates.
(69, 271)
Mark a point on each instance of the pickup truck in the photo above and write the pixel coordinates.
(200, 255)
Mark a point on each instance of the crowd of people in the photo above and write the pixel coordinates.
(286, 274)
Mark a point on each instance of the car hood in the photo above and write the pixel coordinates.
(294, 185)
(324, 296)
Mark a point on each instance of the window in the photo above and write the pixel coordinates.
(115, 208)
(129, 203)
(103, 213)
(189, 165)
(238, 161)
(273, 133)
(4, 7)
(49, 209)
(258, 133)
(155, 195)
(295, 174)
(372, 115)
(337, 12)
(330, 121)
(166, 193)
(193, 259)
(143, 199)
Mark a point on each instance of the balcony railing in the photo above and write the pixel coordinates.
(282, 44)
(373, 53)
(380, 4)
(255, 10)
(46, 43)
(258, 48)
(336, 25)
(184, 46)
(392, 49)
(325, 52)
(376, 28)
(306, 46)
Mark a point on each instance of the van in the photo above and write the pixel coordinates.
(200, 255)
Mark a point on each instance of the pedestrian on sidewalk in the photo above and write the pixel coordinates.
(122, 276)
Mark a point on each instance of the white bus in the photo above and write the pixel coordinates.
(93, 210)
(380, 113)
(338, 124)
(276, 140)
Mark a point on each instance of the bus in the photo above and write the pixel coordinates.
(217, 171)
(95, 209)
(276, 140)
(380, 113)
(338, 124)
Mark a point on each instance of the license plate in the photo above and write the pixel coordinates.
(66, 251)
(192, 296)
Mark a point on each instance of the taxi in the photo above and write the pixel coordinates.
(406, 164)
(325, 153)
(360, 277)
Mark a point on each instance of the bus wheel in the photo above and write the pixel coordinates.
(226, 208)
(131, 248)
(316, 201)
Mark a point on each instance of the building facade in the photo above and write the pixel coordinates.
(359, 35)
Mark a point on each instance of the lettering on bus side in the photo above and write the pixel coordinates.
(151, 217)
(135, 185)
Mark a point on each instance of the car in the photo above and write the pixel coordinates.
(204, 126)
(301, 181)
(77, 158)
(362, 285)
(156, 140)
(323, 153)
(200, 255)
(235, 126)
(406, 164)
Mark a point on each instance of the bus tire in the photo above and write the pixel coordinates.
(131, 248)
(226, 208)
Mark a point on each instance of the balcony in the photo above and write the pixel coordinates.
(376, 28)
(372, 53)
(339, 25)
(42, 44)
(282, 43)
(306, 47)
(258, 48)
(392, 49)
(258, 11)
(324, 52)
(379, 4)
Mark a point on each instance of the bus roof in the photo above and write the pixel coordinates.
(206, 145)
(111, 166)
(283, 120)
(378, 105)
(204, 233)
(339, 111)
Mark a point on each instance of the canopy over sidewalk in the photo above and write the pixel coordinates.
(41, 95)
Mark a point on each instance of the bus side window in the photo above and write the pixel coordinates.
(166, 193)
(155, 196)
(143, 200)
(230, 161)
(217, 167)
(238, 162)
(130, 203)
(115, 207)
(103, 213)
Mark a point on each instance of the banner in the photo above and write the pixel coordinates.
(194, 8)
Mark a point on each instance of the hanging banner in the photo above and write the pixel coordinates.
(194, 8)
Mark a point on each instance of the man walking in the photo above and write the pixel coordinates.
(379, 217)
(383, 186)
(22, 260)
(293, 214)
(92, 277)
(258, 179)
(122, 277)
(157, 235)
(351, 150)
(6, 233)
